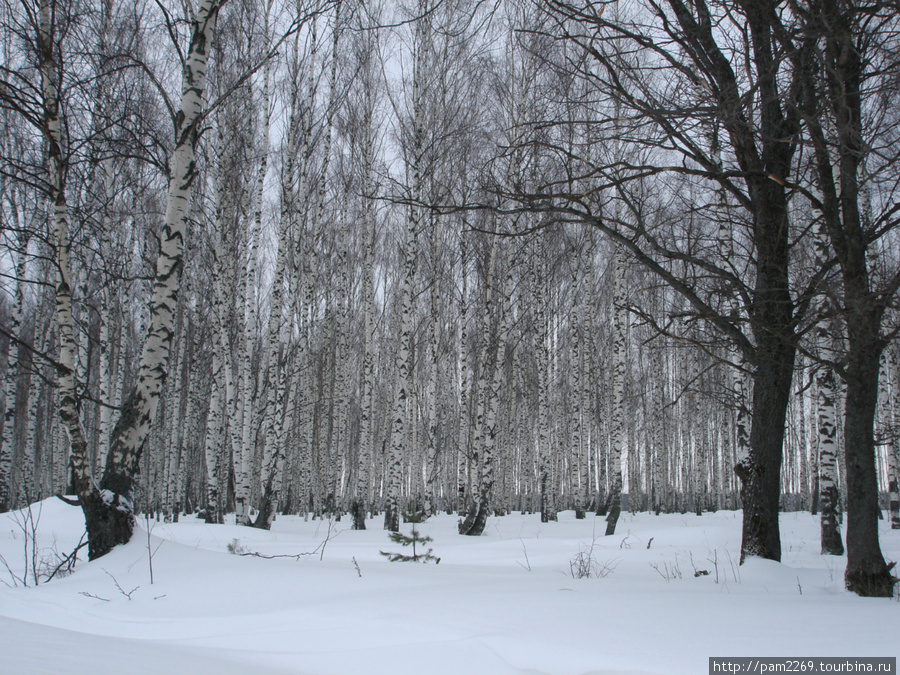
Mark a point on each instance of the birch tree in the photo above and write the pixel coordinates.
(620, 344)
(484, 435)
(295, 195)
(362, 131)
(826, 391)
(13, 365)
(402, 417)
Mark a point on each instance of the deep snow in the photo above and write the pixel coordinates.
(505, 602)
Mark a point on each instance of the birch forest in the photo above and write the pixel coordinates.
(344, 258)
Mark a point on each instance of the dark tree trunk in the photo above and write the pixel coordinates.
(867, 573)
(109, 511)
(829, 500)
(772, 322)
(760, 472)
(894, 496)
(615, 510)
(814, 498)
(109, 520)
(358, 511)
(476, 519)
(392, 516)
(266, 508)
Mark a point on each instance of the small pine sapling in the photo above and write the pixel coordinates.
(413, 539)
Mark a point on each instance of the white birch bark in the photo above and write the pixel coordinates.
(465, 381)
(893, 449)
(68, 406)
(362, 497)
(44, 329)
(434, 375)
(109, 294)
(276, 377)
(576, 452)
(490, 375)
(589, 387)
(223, 429)
(8, 421)
(544, 448)
(246, 382)
(171, 504)
(213, 441)
(738, 381)
(319, 189)
(617, 425)
(657, 395)
(826, 387)
(341, 442)
(110, 306)
(402, 417)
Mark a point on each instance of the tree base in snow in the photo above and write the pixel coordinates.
(878, 584)
(358, 511)
(266, 515)
(109, 519)
(476, 519)
(392, 517)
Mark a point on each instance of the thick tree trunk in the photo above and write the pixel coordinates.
(110, 308)
(760, 472)
(361, 501)
(867, 573)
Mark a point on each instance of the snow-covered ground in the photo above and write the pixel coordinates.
(505, 602)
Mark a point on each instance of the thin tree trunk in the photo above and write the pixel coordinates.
(829, 497)
(242, 466)
(544, 448)
(618, 389)
(361, 500)
(68, 406)
(490, 379)
(403, 418)
(291, 197)
(893, 449)
(13, 368)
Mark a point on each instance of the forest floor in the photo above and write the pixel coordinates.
(662, 595)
